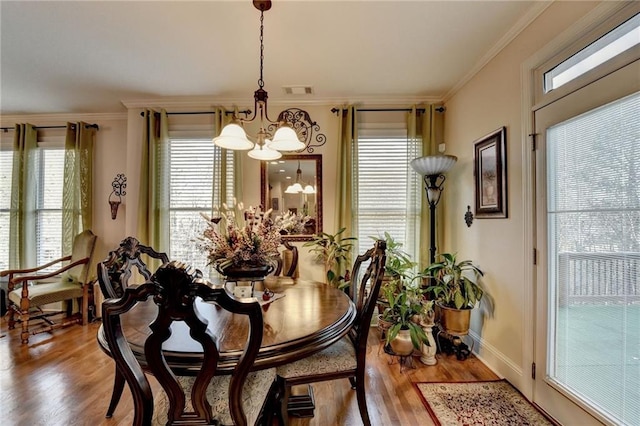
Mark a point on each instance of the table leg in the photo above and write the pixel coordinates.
(301, 401)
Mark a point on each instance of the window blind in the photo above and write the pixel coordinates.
(6, 160)
(383, 204)
(192, 179)
(593, 216)
(49, 181)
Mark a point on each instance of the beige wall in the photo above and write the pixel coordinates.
(491, 99)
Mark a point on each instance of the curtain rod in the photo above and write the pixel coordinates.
(245, 112)
(88, 126)
(335, 110)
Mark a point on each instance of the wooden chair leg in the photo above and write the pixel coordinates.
(362, 398)
(12, 318)
(118, 387)
(24, 318)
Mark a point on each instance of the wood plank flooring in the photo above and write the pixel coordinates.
(65, 379)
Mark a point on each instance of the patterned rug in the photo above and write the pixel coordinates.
(478, 404)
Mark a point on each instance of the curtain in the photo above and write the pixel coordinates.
(153, 213)
(219, 191)
(21, 223)
(413, 190)
(347, 179)
(77, 192)
(427, 128)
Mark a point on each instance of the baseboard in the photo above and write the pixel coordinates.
(503, 366)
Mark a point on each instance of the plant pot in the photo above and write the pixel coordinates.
(402, 344)
(455, 321)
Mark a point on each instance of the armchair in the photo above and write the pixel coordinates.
(29, 290)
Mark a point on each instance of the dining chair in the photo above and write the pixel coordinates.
(206, 396)
(114, 276)
(30, 289)
(287, 263)
(347, 357)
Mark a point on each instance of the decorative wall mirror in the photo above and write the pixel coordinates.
(292, 187)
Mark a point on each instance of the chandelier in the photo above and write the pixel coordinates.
(297, 187)
(266, 146)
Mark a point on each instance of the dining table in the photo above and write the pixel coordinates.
(301, 318)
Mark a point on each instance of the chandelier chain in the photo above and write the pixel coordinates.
(261, 81)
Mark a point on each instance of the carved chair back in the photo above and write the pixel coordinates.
(174, 289)
(116, 270)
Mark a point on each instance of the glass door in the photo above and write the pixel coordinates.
(587, 331)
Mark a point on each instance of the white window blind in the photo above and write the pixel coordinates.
(593, 215)
(6, 160)
(383, 201)
(50, 178)
(191, 182)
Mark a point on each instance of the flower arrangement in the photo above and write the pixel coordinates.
(240, 237)
(291, 223)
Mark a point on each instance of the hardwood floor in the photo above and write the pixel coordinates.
(65, 379)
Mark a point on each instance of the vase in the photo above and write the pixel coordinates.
(402, 345)
(245, 272)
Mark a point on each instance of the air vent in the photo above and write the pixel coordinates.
(298, 90)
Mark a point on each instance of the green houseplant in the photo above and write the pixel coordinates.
(404, 310)
(332, 250)
(456, 286)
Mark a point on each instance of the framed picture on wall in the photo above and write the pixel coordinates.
(275, 204)
(490, 174)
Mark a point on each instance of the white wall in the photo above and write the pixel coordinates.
(491, 99)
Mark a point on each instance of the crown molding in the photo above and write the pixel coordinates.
(514, 31)
(209, 102)
(60, 117)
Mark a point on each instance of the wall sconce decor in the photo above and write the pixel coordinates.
(432, 168)
(119, 185)
(468, 217)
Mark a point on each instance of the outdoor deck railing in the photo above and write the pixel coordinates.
(601, 277)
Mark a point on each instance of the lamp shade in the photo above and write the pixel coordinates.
(309, 190)
(286, 139)
(433, 164)
(233, 137)
(263, 152)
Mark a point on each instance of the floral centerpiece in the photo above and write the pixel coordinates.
(292, 223)
(239, 239)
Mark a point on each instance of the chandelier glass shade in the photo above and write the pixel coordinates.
(266, 146)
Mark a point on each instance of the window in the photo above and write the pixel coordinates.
(609, 46)
(192, 179)
(388, 198)
(48, 208)
(6, 159)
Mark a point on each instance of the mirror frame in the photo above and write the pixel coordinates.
(263, 191)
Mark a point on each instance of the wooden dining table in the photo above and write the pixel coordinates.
(303, 318)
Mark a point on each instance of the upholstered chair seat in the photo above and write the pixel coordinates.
(341, 356)
(254, 394)
(45, 293)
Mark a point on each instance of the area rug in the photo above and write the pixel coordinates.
(478, 404)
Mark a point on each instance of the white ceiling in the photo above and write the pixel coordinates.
(89, 56)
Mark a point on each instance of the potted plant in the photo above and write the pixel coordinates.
(403, 313)
(333, 250)
(398, 267)
(456, 286)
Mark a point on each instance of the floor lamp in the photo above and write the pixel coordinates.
(432, 168)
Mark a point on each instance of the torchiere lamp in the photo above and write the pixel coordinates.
(432, 168)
